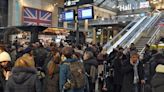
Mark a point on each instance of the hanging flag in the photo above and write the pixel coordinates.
(36, 17)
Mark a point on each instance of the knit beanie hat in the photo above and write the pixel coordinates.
(4, 56)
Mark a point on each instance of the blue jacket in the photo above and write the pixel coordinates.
(65, 74)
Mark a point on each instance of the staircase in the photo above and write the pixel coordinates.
(141, 43)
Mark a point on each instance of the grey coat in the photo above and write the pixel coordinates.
(23, 80)
(157, 81)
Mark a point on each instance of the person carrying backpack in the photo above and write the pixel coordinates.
(72, 73)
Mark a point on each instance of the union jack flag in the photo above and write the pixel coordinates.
(36, 17)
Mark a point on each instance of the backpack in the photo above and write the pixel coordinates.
(77, 72)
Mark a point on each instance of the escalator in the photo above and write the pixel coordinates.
(122, 36)
(145, 33)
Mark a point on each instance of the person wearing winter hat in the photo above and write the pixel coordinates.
(5, 67)
(24, 76)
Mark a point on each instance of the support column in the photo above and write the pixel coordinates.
(102, 37)
(108, 34)
(94, 36)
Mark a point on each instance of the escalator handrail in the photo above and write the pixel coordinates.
(148, 25)
(131, 31)
(140, 31)
(151, 40)
(109, 43)
(153, 22)
(125, 36)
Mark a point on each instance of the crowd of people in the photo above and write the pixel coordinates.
(79, 68)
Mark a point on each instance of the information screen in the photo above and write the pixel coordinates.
(68, 15)
(85, 13)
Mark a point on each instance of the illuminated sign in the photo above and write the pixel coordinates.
(144, 4)
(69, 3)
(134, 6)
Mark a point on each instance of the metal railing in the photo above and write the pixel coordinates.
(151, 40)
(153, 23)
(147, 27)
(139, 32)
(126, 36)
(117, 37)
(109, 21)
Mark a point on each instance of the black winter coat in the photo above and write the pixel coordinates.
(2, 81)
(23, 80)
(128, 72)
(118, 75)
(158, 79)
(40, 55)
(90, 62)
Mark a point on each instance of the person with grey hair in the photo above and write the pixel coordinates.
(90, 64)
(133, 74)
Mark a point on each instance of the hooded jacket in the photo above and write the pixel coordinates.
(23, 80)
(157, 81)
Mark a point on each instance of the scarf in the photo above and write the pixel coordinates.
(136, 77)
(52, 68)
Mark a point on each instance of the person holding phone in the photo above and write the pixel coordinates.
(133, 74)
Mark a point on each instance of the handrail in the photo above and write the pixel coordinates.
(125, 36)
(151, 40)
(140, 31)
(109, 20)
(115, 37)
(148, 25)
(153, 23)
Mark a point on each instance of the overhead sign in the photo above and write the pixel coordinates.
(70, 3)
(134, 6)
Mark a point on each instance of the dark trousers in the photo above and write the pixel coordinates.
(117, 88)
(136, 88)
(92, 87)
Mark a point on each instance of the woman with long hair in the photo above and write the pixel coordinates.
(51, 83)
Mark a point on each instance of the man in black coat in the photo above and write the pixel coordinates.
(118, 75)
(133, 74)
